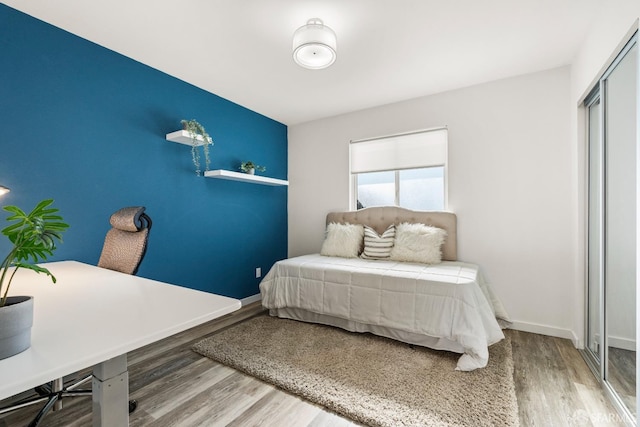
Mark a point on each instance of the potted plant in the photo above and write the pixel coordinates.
(251, 168)
(33, 237)
(196, 130)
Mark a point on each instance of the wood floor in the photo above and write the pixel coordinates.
(622, 375)
(177, 387)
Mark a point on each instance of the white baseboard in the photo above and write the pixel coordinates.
(619, 342)
(251, 299)
(551, 331)
(623, 343)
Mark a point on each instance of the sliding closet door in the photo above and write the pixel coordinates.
(613, 229)
(620, 142)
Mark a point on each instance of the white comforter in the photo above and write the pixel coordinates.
(449, 301)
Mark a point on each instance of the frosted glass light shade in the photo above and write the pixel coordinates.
(314, 45)
(3, 190)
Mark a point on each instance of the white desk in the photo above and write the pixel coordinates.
(93, 317)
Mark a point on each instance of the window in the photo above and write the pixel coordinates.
(405, 170)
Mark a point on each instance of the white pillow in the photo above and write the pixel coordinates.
(342, 240)
(377, 246)
(418, 243)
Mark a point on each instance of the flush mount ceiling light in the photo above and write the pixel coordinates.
(314, 45)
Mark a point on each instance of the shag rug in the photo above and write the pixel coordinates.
(369, 379)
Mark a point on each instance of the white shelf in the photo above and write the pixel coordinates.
(245, 177)
(184, 137)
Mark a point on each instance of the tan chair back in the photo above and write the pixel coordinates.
(126, 243)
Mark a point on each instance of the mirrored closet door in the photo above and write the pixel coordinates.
(620, 95)
(612, 113)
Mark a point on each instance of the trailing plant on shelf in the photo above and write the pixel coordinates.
(196, 130)
(33, 236)
(250, 167)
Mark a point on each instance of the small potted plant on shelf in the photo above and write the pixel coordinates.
(196, 130)
(33, 237)
(251, 168)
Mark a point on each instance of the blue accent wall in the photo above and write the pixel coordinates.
(86, 126)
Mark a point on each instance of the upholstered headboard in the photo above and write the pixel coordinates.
(379, 218)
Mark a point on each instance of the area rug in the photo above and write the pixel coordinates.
(369, 379)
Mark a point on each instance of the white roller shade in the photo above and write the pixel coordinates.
(408, 151)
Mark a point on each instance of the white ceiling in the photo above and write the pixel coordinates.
(388, 50)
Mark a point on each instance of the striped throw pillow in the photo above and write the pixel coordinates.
(377, 246)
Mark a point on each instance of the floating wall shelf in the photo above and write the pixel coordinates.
(244, 177)
(184, 137)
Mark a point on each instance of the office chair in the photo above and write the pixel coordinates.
(126, 243)
(125, 246)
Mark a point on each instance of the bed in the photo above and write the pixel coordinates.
(444, 306)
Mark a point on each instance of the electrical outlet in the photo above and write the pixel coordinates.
(258, 272)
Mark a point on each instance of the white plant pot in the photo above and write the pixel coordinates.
(252, 171)
(16, 319)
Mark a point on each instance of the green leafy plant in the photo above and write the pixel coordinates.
(33, 237)
(248, 165)
(195, 130)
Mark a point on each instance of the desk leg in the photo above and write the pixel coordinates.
(111, 393)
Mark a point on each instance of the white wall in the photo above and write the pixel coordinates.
(615, 24)
(510, 183)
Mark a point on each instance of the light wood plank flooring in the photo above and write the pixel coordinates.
(622, 375)
(177, 387)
